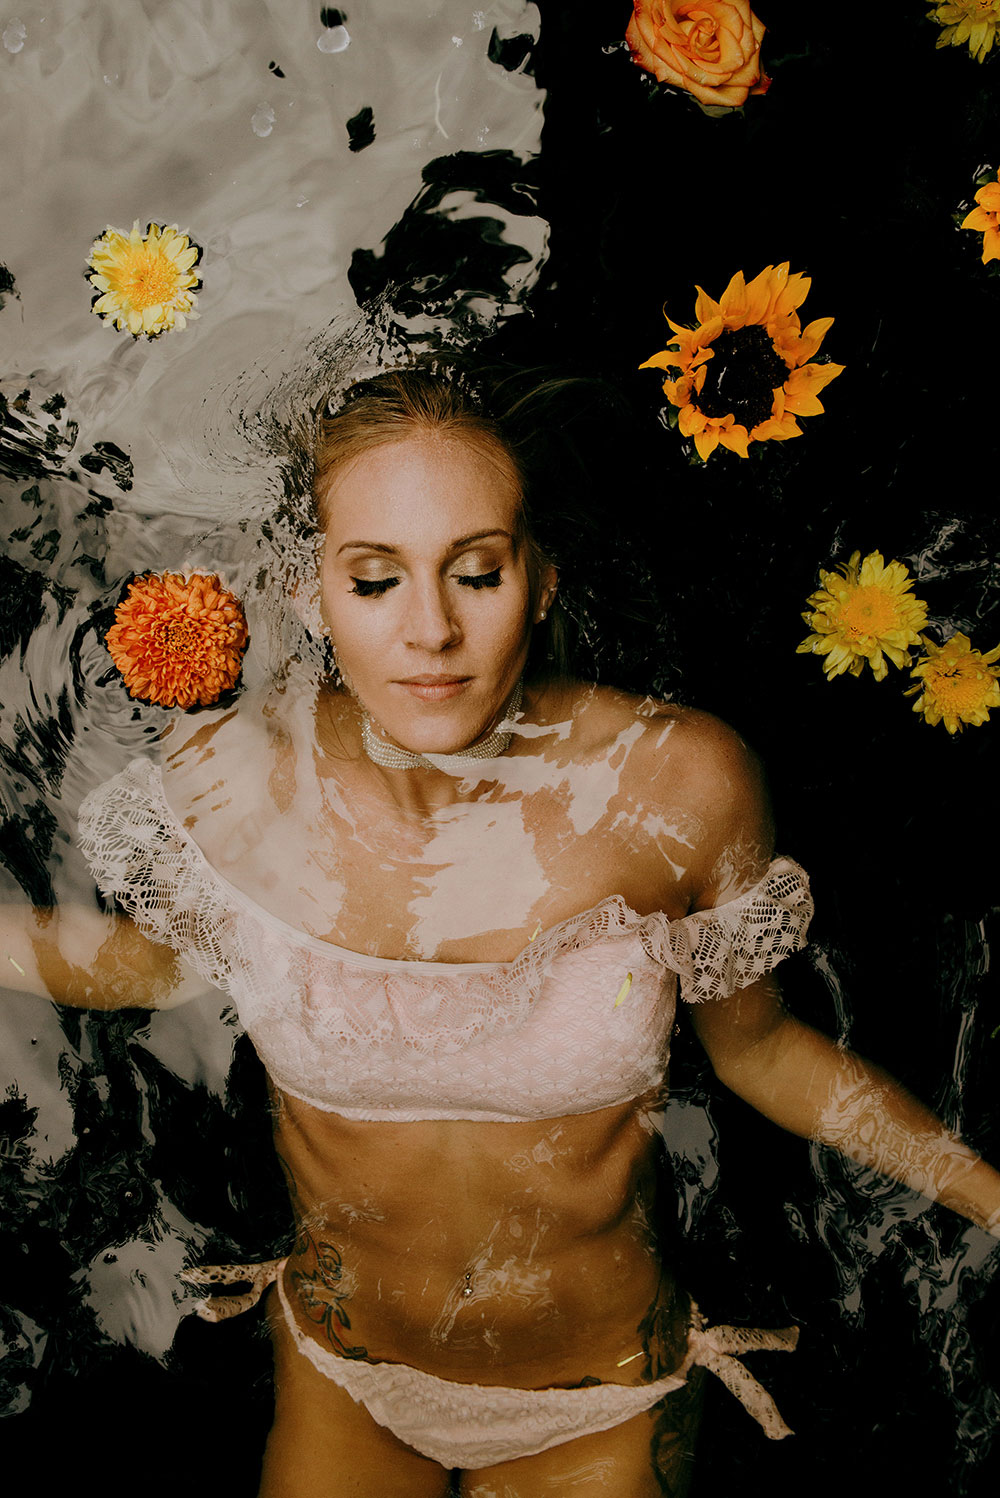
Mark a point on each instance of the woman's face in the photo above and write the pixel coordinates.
(426, 588)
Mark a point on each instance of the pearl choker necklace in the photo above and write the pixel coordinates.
(390, 757)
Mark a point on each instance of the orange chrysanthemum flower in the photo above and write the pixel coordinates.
(178, 641)
(744, 373)
(956, 683)
(985, 217)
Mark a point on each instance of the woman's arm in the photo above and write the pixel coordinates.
(801, 1080)
(788, 1071)
(82, 957)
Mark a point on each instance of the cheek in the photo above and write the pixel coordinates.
(508, 623)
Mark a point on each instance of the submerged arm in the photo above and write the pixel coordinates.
(793, 1074)
(801, 1080)
(78, 956)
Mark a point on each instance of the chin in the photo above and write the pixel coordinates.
(436, 739)
(442, 727)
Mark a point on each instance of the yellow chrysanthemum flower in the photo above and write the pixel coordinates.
(972, 22)
(986, 219)
(147, 280)
(744, 374)
(865, 612)
(956, 683)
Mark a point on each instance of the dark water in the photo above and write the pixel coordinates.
(505, 177)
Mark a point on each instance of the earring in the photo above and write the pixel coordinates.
(541, 615)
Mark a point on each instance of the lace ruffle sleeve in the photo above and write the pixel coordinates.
(138, 858)
(717, 951)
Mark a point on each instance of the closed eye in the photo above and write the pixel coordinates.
(481, 579)
(367, 587)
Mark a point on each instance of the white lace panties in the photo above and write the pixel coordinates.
(478, 1425)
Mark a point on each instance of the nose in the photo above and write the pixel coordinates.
(431, 624)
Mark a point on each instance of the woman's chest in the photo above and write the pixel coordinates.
(477, 884)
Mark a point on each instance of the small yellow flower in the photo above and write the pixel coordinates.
(864, 612)
(986, 219)
(147, 281)
(956, 683)
(976, 22)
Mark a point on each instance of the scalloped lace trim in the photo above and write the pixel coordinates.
(139, 854)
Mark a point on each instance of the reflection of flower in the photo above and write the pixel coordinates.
(147, 280)
(178, 640)
(711, 48)
(744, 375)
(986, 218)
(974, 21)
(956, 683)
(864, 614)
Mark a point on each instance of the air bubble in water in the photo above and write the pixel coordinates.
(262, 120)
(15, 34)
(334, 39)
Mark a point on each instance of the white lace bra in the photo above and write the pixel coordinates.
(579, 1021)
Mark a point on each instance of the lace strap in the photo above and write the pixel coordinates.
(719, 1348)
(256, 1277)
(717, 951)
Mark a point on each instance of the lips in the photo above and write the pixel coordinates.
(432, 688)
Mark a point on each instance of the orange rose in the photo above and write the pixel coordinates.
(711, 48)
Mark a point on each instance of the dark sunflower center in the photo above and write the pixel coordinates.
(741, 375)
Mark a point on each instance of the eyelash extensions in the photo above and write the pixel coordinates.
(375, 588)
(482, 579)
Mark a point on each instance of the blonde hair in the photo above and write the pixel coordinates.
(395, 407)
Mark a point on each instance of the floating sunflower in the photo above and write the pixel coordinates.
(956, 683)
(864, 612)
(972, 22)
(147, 281)
(744, 373)
(178, 641)
(985, 217)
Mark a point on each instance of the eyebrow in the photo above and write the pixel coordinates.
(458, 545)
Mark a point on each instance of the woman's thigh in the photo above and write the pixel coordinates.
(650, 1456)
(324, 1445)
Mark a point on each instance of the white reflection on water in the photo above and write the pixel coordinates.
(231, 121)
(279, 211)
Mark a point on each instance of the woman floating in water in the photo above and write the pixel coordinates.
(452, 893)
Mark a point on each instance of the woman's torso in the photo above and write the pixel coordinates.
(507, 1252)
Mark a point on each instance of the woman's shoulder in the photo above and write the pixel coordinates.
(679, 766)
(659, 733)
(224, 765)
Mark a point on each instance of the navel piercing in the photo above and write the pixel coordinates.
(468, 1283)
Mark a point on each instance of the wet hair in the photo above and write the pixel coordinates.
(539, 428)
